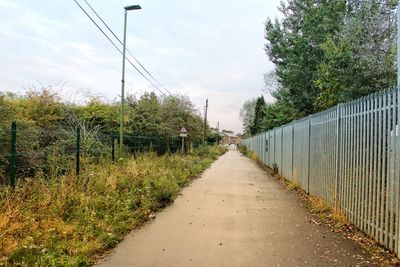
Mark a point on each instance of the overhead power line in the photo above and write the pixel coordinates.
(119, 50)
(129, 52)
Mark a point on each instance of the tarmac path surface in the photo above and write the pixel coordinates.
(235, 215)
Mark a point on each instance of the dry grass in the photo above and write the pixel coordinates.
(317, 205)
(249, 153)
(254, 156)
(340, 218)
(70, 220)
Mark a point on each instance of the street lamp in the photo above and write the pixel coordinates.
(398, 48)
(121, 128)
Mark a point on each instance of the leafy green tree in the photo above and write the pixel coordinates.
(278, 114)
(294, 45)
(247, 116)
(259, 115)
(326, 52)
(361, 58)
(212, 136)
(179, 111)
(102, 114)
(146, 115)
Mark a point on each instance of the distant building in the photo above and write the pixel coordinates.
(228, 138)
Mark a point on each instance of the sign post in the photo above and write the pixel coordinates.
(183, 135)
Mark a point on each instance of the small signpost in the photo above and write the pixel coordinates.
(183, 135)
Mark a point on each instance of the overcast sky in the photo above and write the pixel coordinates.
(200, 48)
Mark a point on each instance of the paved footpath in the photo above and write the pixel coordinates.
(235, 215)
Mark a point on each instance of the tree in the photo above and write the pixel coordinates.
(259, 115)
(247, 116)
(294, 45)
(361, 58)
(146, 115)
(179, 111)
(278, 114)
(326, 52)
(101, 114)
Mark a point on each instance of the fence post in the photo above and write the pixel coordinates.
(112, 147)
(78, 149)
(292, 151)
(309, 154)
(281, 167)
(338, 143)
(13, 154)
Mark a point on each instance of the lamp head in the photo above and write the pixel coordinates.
(134, 7)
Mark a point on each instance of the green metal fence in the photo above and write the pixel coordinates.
(348, 155)
(26, 152)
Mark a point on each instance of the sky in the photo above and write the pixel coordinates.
(200, 48)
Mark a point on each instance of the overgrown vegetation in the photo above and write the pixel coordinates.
(46, 128)
(69, 220)
(249, 153)
(325, 52)
(55, 218)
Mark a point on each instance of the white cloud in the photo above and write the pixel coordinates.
(201, 48)
(8, 4)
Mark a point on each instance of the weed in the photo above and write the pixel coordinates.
(317, 205)
(340, 218)
(294, 186)
(68, 221)
(254, 156)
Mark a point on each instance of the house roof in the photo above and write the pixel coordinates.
(229, 134)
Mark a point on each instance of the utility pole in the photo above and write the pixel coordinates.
(205, 122)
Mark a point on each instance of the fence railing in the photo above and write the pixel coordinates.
(26, 151)
(348, 155)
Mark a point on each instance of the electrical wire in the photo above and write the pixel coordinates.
(120, 51)
(129, 52)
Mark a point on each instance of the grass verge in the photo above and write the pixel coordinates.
(72, 220)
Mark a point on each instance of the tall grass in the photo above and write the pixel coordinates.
(70, 220)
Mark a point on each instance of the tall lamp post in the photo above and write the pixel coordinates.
(398, 49)
(121, 128)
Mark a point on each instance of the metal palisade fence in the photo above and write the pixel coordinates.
(349, 156)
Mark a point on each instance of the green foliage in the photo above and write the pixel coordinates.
(269, 116)
(178, 111)
(46, 129)
(212, 136)
(259, 114)
(68, 221)
(147, 115)
(294, 186)
(247, 114)
(278, 114)
(327, 52)
(361, 58)
(294, 45)
(105, 115)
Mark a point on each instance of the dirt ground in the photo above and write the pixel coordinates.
(236, 215)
